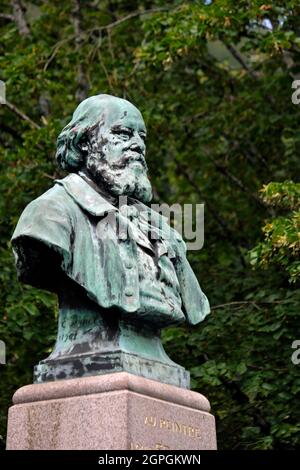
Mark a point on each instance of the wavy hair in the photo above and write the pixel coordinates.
(70, 155)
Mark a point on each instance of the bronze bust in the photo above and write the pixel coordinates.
(119, 270)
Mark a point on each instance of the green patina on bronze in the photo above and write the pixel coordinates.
(119, 270)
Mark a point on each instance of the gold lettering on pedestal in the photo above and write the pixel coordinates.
(157, 446)
(150, 420)
(173, 426)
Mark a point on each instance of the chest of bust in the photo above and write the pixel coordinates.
(109, 261)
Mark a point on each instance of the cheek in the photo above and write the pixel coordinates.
(113, 147)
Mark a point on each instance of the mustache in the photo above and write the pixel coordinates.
(130, 157)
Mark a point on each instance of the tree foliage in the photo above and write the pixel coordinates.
(281, 245)
(213, 81)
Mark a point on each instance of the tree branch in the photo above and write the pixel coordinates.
(22, 115)
(250, 302)
(222, 169)
(108, 27)
(7, 16)
(19, 18)
(235, 53)
(82, 82)
(128, 17)
(229, 235)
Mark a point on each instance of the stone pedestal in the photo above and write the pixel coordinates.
(113, 411)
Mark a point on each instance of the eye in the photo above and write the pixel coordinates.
(124, 134)
(143, 136)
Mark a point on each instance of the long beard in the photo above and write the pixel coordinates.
(126, 181)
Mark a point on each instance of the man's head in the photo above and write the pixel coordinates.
(106, 139)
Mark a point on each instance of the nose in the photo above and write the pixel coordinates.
(137, 144)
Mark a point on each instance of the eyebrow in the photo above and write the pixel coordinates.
(122, 127)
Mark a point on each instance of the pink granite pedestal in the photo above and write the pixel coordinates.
(114, 411)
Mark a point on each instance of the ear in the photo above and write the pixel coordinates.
(69, 152)
(82, 143)
(83, 147)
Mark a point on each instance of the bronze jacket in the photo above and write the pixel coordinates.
(76, 223)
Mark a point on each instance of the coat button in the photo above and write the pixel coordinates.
(128, 264)
(129, 292)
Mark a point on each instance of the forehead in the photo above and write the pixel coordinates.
(120, 112)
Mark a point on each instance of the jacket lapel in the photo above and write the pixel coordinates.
(85, 196)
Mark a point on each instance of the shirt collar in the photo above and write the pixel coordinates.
(85, 196)
(90, 200)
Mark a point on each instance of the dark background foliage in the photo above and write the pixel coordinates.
(213, 81)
